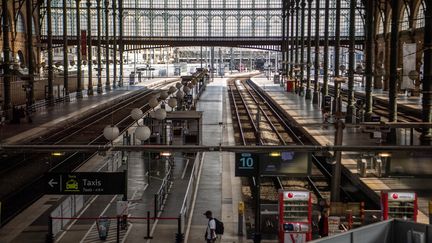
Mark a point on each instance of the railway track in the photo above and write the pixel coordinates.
(258, 123)
(21, 175)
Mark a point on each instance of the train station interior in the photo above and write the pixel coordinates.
(235, 121)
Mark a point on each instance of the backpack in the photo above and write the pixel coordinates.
(219, 227)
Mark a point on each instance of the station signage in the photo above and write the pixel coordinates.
(246, 164)
(85, 183)
(401, 196)
(296, 196)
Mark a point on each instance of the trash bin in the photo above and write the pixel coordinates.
(290, 85)
(103, 227)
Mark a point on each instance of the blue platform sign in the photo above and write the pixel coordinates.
(246, 164)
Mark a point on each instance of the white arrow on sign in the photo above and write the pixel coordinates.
(52, 183)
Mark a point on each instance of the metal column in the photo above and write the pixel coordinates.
(426, 136)
(326, 50)
(50, 94)
(283, 47)
(121, 46)
(291, 41)
(99, 49)
(114, 15)
(351, 60)
(309, 64)
(6, 59)
(337, 85)
(303, 5)
(394, 46)
(369, 55)
(89, 50)
(315, 97)
(65, 53)
(297, 9)
(30, 63)
(107, 56)
(79, 71)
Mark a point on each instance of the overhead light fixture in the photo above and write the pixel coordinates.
(384, 154)
(165, 154)
(57, 153)
(275, 154)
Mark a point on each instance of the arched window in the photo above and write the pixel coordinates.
(260, 26)
(158, 26)
(380, 25)
(144, 26)
(20, 24)
(231, 26)
(275, 26)
(404, 24)
(188, 26)
(173, 26)
(129, 26)
(216, 26)
(202, 26)
(246, 26)
(420, 20)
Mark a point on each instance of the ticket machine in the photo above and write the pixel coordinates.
(295, 216)
(399, 205)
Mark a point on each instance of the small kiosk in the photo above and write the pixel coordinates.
(399, 205)
(295, 216)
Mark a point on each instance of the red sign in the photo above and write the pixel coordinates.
(84, 42)
(395, 196)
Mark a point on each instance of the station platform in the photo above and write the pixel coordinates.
(217, 189)
(310, 117)
(62, 113)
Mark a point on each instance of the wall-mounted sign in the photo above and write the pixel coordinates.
(89, 183)
(246, 164)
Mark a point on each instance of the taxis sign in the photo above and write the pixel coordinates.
(85, 183)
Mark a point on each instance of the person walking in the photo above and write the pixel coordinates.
(210, 234)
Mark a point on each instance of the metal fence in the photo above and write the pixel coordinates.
(186, 206)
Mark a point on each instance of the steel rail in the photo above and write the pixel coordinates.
(265, 115)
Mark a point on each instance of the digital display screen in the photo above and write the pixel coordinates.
(286, 163)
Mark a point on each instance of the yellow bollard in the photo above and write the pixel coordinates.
(241, 208)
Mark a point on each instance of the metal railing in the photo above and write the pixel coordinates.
(185, 209)
(162, 193)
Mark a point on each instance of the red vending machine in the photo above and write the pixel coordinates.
(295, 216)
(399, 205)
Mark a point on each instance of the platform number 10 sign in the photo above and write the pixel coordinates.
(246, 164)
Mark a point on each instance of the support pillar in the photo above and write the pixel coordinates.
(308, 95)
(89, 50)
(394, 46)
(337, 109)
(315, 97)
(50, 94)
(302, 44)
(121, 46)
(283, 47)
(114, 15)
(351, 59)
(326, 50)
(426, 136)
(369, 56)
(107, 56)
(79, 57)
(6, 59)
(337, 168)
(65, 53)
(291, 41)
(30, 57)
(99, 49)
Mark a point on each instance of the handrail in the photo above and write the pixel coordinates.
(187, 200)
(162, 193)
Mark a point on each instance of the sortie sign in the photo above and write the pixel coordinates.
(85, 183)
